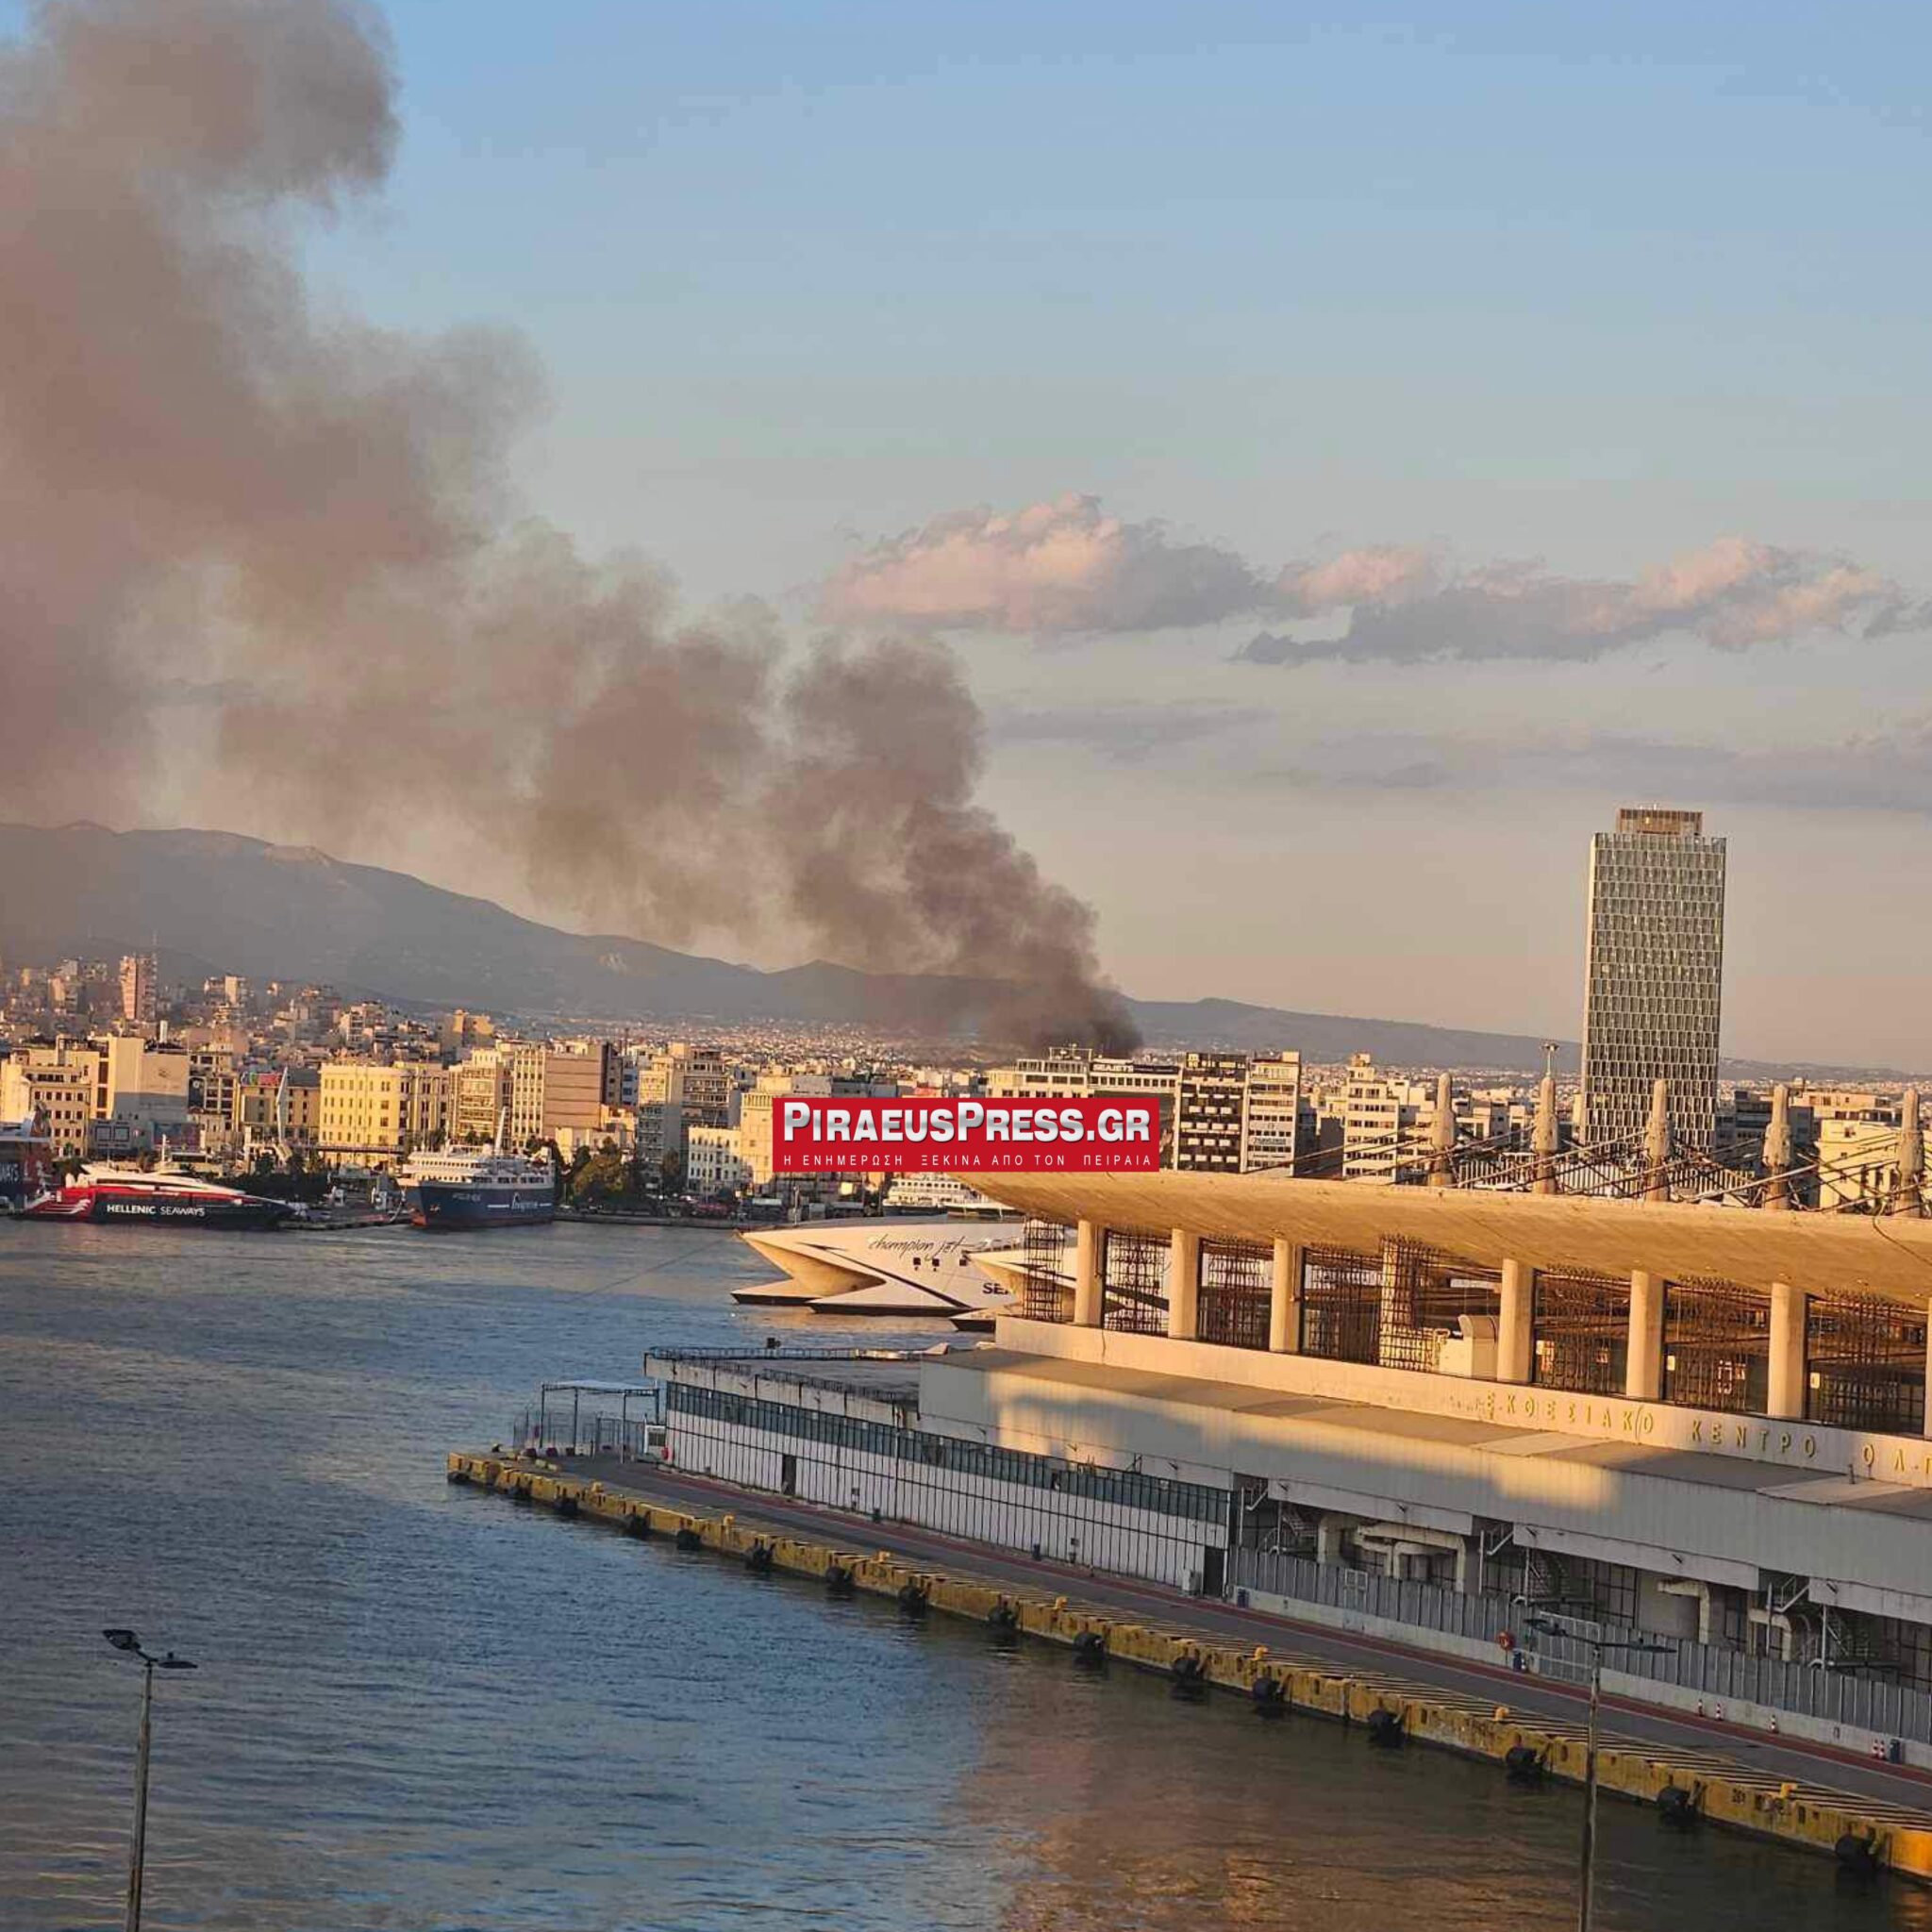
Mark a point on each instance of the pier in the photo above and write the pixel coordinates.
(1869, 1816)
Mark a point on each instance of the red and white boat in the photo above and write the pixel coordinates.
(131, 1196)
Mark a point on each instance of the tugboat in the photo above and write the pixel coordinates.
(163, 1197)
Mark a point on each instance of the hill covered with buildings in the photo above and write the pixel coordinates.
(217, 902)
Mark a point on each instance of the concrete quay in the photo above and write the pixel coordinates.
(1867, 1814)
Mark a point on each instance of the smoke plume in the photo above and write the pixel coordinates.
(211, 482)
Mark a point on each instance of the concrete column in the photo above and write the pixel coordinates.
(1329, 1532)
(1644, 1379)
(1284, 1300)
(1184, 1286)
(1516, 1324)
(1784, 1384)
(1090, 1237)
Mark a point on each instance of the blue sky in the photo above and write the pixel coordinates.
(1593, 288)
(1590, 286)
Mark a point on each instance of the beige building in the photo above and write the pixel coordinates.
(659, 1133)
(713, 1161)
(481, 1095)
(695, 1078)
(1381, 1120)
(553, 1089)
(380, 1112)
(282, 1105)
(137, 988)
(55, 1081)
(140, 1094)
(1857, 1158)
(1271, 1130)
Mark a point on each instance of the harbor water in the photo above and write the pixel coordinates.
(418, 1708)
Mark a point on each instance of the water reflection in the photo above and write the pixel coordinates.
(419, 1707)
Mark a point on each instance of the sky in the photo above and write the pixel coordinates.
(1351, 456)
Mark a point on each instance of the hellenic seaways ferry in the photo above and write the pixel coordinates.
(162, 1197)
(478, 1187)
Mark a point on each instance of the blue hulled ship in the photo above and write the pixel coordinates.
(469, 1188)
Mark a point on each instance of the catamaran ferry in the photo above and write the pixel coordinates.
(960, 1270)
(160, 1197)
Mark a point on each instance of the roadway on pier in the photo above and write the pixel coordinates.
(1733, 1748)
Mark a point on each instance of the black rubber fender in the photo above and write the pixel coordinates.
(757, 1560)
(913, 1599)
(638, 1523)
(688, 1538)
(457, 1475)
(1187, 1668)
(1678, 1806)
(1857, 1853)
(1269, 1696)
(1090, 1647)
(566, 1505)
(839, 1578)
(1385, 1728)
(520, 1492)
(1004, 1615)
(1523, 1763)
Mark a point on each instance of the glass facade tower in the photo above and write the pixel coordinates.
(1654, 979)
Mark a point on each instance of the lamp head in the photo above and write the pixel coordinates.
(122, 1639)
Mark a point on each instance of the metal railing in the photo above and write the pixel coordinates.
(1710, 1671)
(630, 1439)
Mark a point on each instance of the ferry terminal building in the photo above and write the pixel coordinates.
(1446, 1416)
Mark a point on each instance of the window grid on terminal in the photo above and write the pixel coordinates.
(1341, 1304)
(1582, 1328)
(1717, 1346)
(1236, 1282)
(1046, 1292)
(1654, 978)
(1133, 1297)
(1426, 1293)
(1865, 1364)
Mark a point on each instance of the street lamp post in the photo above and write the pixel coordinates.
(1598, 1644)
(137, 1851)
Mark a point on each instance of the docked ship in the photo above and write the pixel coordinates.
(26, 1162)
(953, 1270)
(163, 1196)
(478, 1187)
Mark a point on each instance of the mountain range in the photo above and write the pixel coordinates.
(214, 902)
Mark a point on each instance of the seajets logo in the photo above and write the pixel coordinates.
(871, 1134)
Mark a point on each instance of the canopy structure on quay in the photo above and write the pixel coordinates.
(1889, 1256)
(1820, 1318)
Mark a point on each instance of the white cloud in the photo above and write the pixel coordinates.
(1053, 569)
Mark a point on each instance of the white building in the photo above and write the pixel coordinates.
(714, 1162)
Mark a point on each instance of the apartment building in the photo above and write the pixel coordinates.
(383, 1113)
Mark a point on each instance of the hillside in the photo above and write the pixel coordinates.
(213, 901)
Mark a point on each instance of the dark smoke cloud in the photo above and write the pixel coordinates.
(209, 482)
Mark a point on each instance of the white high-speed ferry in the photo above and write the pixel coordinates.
(960, 1270)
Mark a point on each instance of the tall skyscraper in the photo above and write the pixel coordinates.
(138, 973)
(1654, 980)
